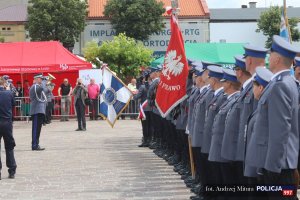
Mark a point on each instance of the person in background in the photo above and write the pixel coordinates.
(7, 103)
(132, 106)
(50, 97)
(93, 92)
(19, 89)
(65, 91)
(142, 96)
(26, 104)
(80, 93)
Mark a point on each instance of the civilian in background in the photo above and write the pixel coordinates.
(26, 104)
(132, 105)
(80, 93)
(93, 92)
(19, 89)
(65, 91)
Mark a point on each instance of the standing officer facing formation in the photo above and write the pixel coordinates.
(37, 110)
(7, 102)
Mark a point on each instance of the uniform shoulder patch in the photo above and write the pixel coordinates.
(279, 78)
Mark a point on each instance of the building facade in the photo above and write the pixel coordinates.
(12, 23)
(193, 19)
(238, 25)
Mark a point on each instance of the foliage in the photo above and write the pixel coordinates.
(136, 18)
(269, 24)
(124, 55)
(2, 39)
(61, 20)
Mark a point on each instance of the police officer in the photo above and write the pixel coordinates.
(260, 82)
(297, 76)
(142, 95)
(154, 115)
(254, 57)
(215, 75)
(274, 144)
(48, 92)
(206, 94)
(7, 102)
(198, 83)
(38, 101)
(181, 124)
(223, 169)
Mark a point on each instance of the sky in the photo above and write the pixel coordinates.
(260, 3)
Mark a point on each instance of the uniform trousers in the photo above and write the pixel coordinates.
(37, 122)
(49, 108)
(157, 125)
(198, 166)
(146, 127)
(80, 111)
(94, 109)
(9, 143)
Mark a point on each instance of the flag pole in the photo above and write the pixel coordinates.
(287, 21)
(175, 11)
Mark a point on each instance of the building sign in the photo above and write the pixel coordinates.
(194, 31)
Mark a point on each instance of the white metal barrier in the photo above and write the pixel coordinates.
(22, 108)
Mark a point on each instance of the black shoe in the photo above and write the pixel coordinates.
(143, 145)
(38, 149)
(79, 129)
(11, 176)
(84, 129)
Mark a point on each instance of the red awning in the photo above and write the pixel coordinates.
(33, 57)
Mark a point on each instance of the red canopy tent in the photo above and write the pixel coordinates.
(21, 60)
(33, 57)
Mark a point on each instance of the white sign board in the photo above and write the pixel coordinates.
(193, 31)
(87, 75)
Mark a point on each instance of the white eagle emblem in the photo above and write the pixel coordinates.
(172, 64)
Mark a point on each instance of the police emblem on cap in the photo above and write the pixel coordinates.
(109, 95)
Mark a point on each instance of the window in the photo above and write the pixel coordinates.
(3, 28)
(8, 28)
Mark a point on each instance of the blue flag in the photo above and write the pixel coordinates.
(114, 96)
(284, 32)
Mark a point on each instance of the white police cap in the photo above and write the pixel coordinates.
(283, 47)
(263, 76)
(215, 71)
(229, 75)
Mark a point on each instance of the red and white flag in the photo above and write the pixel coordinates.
(172, 87)
(142, 115)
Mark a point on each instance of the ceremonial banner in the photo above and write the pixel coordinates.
(114, 96)
(172, 87)
(284, 27)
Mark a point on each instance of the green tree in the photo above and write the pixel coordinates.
(124, 55)
(61, 20)
(136, 18)
(269, 24)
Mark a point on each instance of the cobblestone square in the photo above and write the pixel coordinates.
(101, 163)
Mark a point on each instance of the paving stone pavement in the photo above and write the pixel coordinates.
(99, 164)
